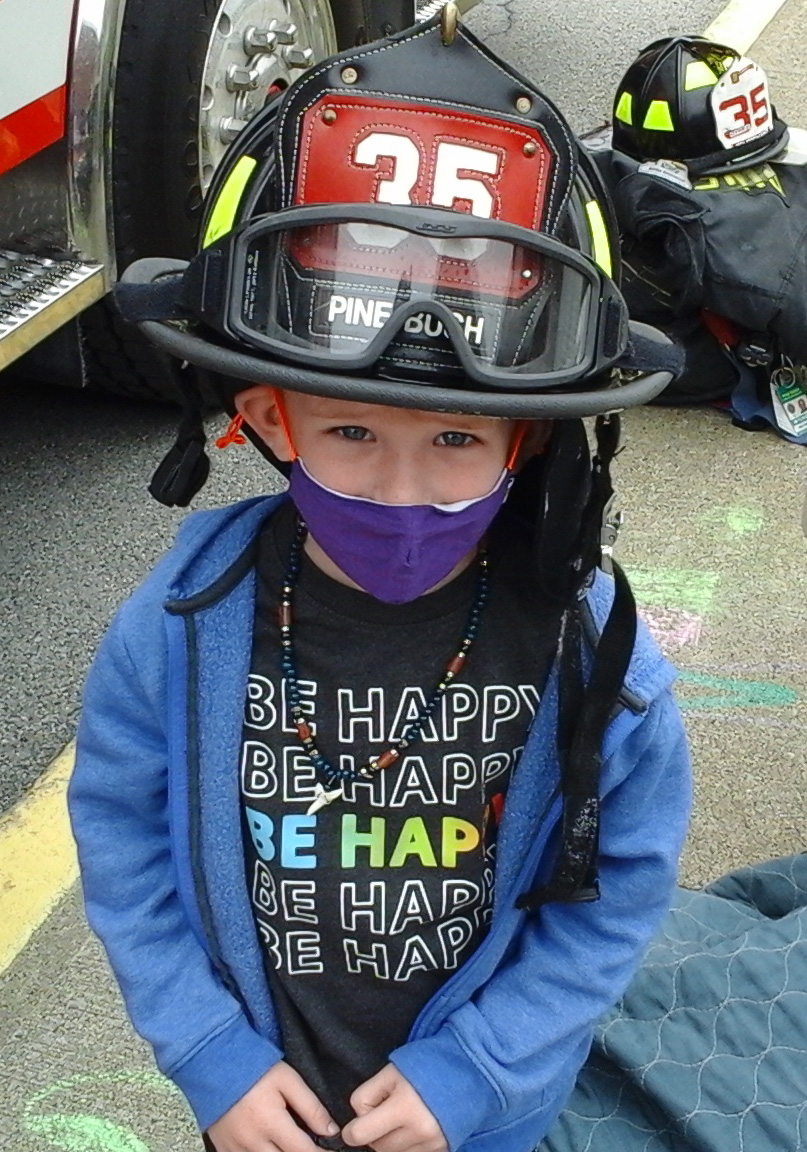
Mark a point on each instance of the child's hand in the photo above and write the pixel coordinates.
(391, 1117)
(260, 1121)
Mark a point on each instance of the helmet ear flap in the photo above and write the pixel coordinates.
(185, 468)
(181, 474)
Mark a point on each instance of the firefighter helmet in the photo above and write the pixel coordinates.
(320, 219)
(703, 104)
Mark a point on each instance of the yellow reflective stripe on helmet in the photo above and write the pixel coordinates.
(226, 206)
(659, 117)
(699, 75)
(599, 237)
(624, 109)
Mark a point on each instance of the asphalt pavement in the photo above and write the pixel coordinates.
(712, 542)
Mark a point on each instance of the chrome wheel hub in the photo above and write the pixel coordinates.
(256, 46)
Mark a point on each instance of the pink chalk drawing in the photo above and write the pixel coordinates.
(672, 628)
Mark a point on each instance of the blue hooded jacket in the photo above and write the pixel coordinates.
(154, 803)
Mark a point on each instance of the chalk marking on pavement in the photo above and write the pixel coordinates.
(37, 857)
(684, 589)
(722, 692)
(672, 628)
(742, 22)
(78, 1130)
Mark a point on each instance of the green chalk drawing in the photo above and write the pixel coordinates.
(744, 521)
(145, 1078)
(730, 692)
(85, 1134)
(687, 589)
(78, 1132)
(735, 519)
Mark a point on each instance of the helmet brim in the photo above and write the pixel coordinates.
(769, 152)
(205, 353)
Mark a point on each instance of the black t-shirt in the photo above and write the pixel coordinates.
(367, 906)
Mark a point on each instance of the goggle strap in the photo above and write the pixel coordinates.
(644, 355)
(613, 328)
(197, 290)
(160, 300)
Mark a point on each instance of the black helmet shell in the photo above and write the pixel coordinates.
(286, 157)
(665, 108)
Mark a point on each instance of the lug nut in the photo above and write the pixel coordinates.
(285, 33)
(241, 79)
(298, 57)
(257, 42)
(229, 127)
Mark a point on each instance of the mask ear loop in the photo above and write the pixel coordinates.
(521, 432)
(280, 404)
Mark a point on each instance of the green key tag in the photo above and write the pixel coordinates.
(789, 403)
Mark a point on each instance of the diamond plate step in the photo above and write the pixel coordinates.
(39, 295)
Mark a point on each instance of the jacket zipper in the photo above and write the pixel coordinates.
(423, 1025)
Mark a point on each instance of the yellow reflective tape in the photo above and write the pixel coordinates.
(226, 206)
(599, 237)
(699, 75)
(659, 117)
(624, 109)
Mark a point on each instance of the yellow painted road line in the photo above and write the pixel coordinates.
(37, 857)
(742, 22)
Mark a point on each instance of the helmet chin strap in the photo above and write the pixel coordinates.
(283, 416)
(518, 439)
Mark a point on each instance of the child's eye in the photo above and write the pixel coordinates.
(354, 432)
(455, 439)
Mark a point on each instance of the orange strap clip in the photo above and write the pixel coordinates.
(233, 433)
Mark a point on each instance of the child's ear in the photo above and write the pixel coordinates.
(259, 408)
(534, 442)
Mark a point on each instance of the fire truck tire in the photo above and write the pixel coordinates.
(157, 192)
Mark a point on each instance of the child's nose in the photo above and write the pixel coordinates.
(401, 482)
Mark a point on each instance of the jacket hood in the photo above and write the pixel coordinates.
(212, 550)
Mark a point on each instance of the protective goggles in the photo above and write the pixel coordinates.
(345, 286)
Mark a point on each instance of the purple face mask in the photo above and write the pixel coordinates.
(396, 552)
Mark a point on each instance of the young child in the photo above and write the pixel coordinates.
(378, 795)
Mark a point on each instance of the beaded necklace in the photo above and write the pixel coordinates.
(326, 793)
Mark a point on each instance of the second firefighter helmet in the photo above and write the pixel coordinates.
(703, 104)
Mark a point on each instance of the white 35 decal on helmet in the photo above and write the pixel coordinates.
(741, 104)
(448, 185)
